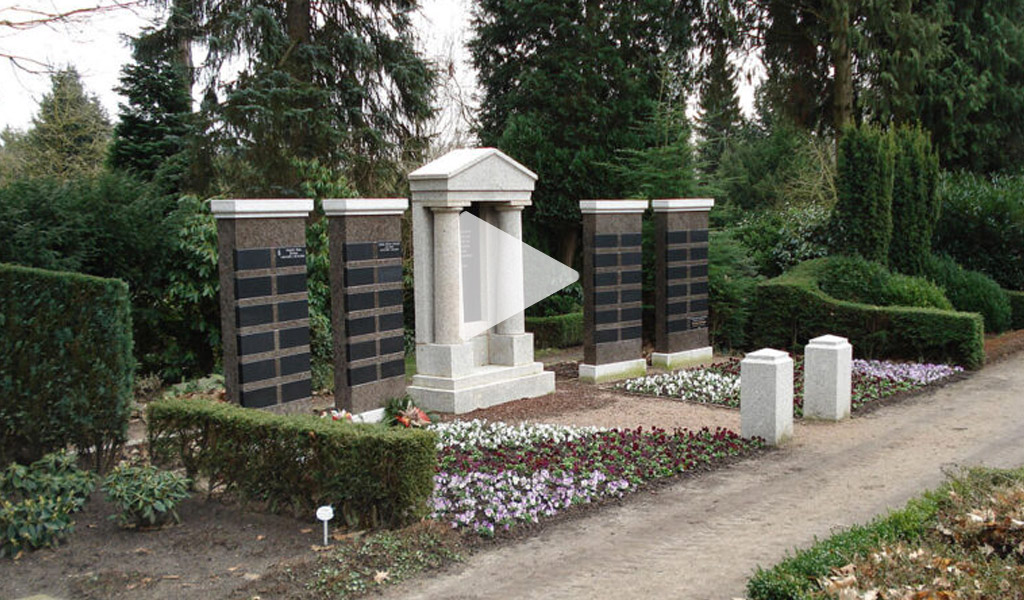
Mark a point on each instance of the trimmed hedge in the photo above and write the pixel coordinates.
(1016, 309)
(791, 309)
(560, 331)
(971, 291)
(373, 475)
(66, 366)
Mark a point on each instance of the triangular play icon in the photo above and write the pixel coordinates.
(502, 276)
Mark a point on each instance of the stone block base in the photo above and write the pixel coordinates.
(489, 385)
(612, 371)
(671, 361)
(511, 349)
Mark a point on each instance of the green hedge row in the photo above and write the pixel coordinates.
(372, 475)
(1016, 309)
(791, 309)
(560, 331)
(66, 366)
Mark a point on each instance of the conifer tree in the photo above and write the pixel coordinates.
(720, 117)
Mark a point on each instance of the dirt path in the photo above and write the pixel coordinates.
(702, 538)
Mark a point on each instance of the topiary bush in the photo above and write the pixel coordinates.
(857, 280)
(862, 221)
(915, 200)
(982, 225)
(971, 291)
(374, 475)
(67, 365)
(1016, 309)
(145, 495)
(792, 308)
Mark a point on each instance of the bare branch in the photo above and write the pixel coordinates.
(20, 18)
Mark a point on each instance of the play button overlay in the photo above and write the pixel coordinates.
(502, 276)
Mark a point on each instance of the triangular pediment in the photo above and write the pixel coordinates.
(475, 169)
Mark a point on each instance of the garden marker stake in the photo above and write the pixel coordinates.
(325, 514)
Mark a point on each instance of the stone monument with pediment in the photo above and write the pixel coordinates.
(456, 375)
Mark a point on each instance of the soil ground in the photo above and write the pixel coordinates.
(700, 537)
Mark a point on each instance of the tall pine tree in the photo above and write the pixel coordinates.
(337, 81)
(720, 117)
(153, 125)
(567, 87)
(69, 134)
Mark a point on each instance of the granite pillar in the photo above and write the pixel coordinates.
(681, 282)
(828, 375)
(766, 396)
(367, 317)
(264, 301)
(612, 276)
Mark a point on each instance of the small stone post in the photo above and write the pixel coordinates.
(681, 282)
(828, 361)
(366, 301)
(766, 396)
(612, 276)
(264, 303)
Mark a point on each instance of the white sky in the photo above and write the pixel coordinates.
(96, 48)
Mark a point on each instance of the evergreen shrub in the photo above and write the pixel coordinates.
(792, 309)
(1016, 309)
(862, 221)
(732, 277)
(557, 331)
(915, 201)
(982, 225)
(372, 475)
(857, 280)
(66, 364)
(971, 291)
(37, 502)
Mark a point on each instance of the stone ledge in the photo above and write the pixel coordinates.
(612, 371)
(671, 361)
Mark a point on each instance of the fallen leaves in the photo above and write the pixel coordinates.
(381, 576)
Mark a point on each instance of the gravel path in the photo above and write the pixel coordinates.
(702, 538)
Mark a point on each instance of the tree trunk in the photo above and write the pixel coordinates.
(567, 246)
(842, 62)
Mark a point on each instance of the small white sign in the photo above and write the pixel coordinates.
(325, 513)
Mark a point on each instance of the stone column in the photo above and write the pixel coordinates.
(612, 321)
(828, 362)
(447, 276)
(510, 221)
(366, 301)
(766, 396)
(264, 304)
(681, 282)
(510, 344)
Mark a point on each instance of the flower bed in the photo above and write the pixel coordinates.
(719, 384)
(493, 476)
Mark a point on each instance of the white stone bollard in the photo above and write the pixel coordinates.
(766, 396)
(828, 361)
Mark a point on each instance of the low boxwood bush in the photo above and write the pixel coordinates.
(971, 291)
(1016, 309)
(792, 308)
(37, 502)
(145, 495)
(858, 280)
(559, 331)
(373, 475)
(66, 364)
